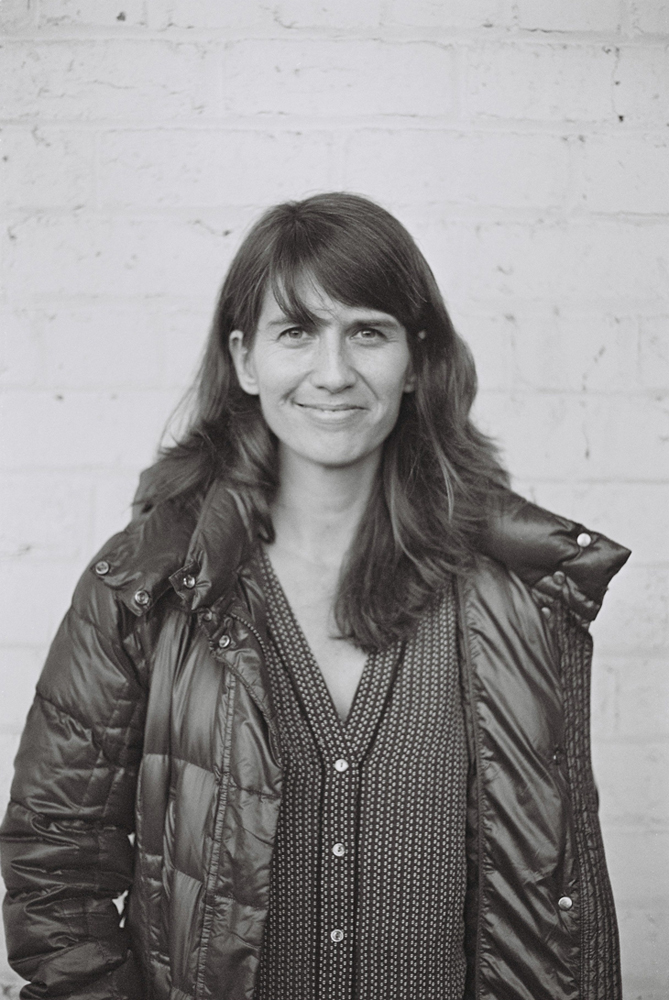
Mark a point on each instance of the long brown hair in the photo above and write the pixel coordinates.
(437, 472)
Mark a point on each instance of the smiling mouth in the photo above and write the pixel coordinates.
(324, 408)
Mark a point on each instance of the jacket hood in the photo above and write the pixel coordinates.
(198, 553)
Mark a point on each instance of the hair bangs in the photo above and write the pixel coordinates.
(353, 265)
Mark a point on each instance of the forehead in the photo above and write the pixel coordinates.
(310, 302)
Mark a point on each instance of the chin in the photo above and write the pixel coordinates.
(334, 459)
(330, 453)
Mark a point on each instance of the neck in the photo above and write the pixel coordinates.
(317, 509)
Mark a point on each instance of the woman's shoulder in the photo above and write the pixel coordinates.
(190, 547)
(555, 558)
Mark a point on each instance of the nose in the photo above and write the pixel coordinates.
(332, 369)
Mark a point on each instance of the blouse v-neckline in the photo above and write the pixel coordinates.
(352, 728)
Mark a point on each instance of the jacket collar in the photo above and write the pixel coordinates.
(561, 559)
(199, 554)
(196, 553)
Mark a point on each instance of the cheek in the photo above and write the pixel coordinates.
(274, 377)
(393, 382)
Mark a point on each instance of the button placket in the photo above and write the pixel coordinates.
(337, 888)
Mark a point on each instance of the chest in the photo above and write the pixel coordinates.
(310, 591)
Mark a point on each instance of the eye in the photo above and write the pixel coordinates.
(369, 335)
(294, 335)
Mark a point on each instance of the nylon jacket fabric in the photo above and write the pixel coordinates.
(153, 722)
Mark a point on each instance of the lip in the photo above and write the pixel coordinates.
(330, 413)
(329, 407)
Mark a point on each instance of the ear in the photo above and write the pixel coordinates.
(243, 362)
(410, 378)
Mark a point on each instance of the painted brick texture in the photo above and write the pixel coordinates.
(523, 142)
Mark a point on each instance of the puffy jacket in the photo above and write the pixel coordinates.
(151, 762)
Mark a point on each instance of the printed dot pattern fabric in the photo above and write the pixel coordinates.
(369, 869)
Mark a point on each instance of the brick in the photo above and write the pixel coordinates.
(629, 792)
(75, 430)
(490, 336)
(102, 346)
(634, 514)
(10, 982)
(109, 79)
(654, 351)
(113, 494)
(45, 517)
(564, 15)
(20, 668)
(630, 697)
(79, 254)
(455, 14)
(588, 352)
(17, 15)
(643, 699)
(344, 79)
(9, 744)
(335, 14)
(603, 700)
(555, 436)
(92, 13)
(625, 173)
(177, 167)
(202, 14)
(550, 82)
(641, 85)
(19, 348)
(285, 15)
(35, 602)
(161, 167)
(567, 350)
(184, 334)
(634, 859)
(46, 167)
(413, 165)
(634, 620)
(587, 261)
(649, 18)
(441, 242)
(644, 932)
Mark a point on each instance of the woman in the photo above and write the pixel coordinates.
(333, 677)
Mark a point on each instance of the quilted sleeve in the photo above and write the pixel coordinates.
(66, 852)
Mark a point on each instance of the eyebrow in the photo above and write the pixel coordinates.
(282, 321)
(389, 322)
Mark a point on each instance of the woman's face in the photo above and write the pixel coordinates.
(330, 392)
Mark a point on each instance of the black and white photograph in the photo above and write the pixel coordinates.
(334, 527)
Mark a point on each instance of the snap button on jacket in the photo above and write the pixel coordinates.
(151, 764)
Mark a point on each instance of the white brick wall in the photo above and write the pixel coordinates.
(524, 144)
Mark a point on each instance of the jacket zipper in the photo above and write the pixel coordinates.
(273, 732)
(251, 628)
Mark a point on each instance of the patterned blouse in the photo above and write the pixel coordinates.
(369, 869)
